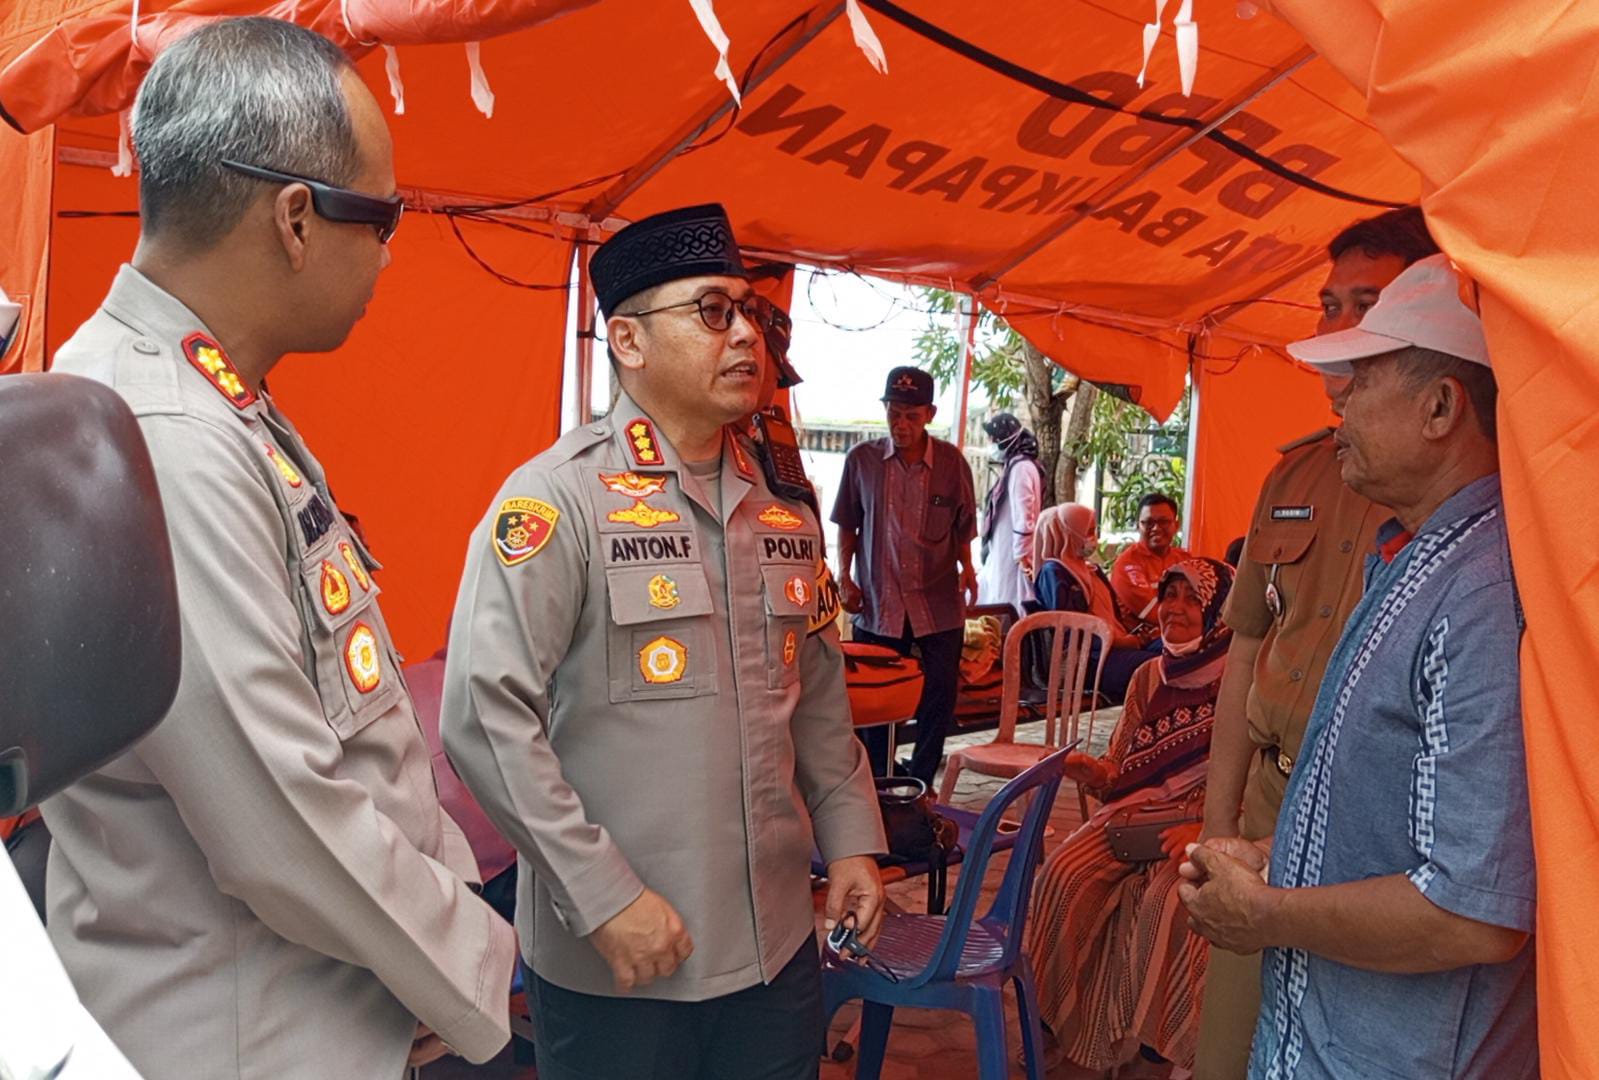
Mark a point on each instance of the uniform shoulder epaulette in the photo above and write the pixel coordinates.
(573, 442)
(1306, 440)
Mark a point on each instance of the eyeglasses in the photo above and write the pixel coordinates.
(336, 203)
(716, 310)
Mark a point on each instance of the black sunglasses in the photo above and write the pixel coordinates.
(716, 310)
(336, 203)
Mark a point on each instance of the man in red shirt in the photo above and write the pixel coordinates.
(1139, 567)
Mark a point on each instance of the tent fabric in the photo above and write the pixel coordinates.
(1126, 247)
(28, 168)
(1495, 106)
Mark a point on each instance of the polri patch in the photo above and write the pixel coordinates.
(209, 360)
(361, 658)
(357, 568)
(335, 589)
(641, 439)
(521, 529)
(1293, 513)
(779, 517)
(800, 592)
(663, 660)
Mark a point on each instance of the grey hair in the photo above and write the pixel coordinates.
(258, 91)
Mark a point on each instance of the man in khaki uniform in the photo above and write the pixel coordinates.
(1299, 579)
(644, 696)
(265, 887)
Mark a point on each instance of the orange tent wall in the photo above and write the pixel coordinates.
(446, 386)
(1494, 105)
(28, 166)
(1247, 409)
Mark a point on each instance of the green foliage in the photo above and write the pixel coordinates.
(1155, 472)
(1116, 435)
(996, 359)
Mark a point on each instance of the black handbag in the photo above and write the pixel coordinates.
(916, 832)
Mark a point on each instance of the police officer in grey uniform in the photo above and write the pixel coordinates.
(642, 693)
(266, 885)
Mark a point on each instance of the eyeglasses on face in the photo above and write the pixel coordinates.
(336, 203)
(716, 310)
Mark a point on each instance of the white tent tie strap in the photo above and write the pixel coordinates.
(133, 27)
(349, 27)
(124, 165)
(482, 95)
(1187, 45)
(719, 40)
(1151, 33)
(391, 68)
(1186, 31)
(866, 37)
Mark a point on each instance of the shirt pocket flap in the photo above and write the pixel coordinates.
(1281, 542)
(790, 590)
(641, 594)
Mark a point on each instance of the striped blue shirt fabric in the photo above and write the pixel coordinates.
(1413, 763)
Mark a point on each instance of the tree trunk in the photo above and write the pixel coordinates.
(1044, 408)
(1079, 419)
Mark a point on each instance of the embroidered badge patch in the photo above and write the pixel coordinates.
(779, 517)
(829, 602)
(645, 446)
(285, 470)
(663, 593)
(361, 658)
(633, 485)
(643, 515)
(209, 359)
(335, 588)
(663, 660)
(790, 647)
(741, 461)
(799, 591)
(522, 528)
(357, 568)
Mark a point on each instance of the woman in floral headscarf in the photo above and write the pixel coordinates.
(1117, 968)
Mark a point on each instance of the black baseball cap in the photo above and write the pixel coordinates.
(909, 386)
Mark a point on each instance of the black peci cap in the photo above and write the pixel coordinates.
(693, 241)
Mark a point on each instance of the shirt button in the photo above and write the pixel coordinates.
(1326, 611)
(1347, 546)
(1296, 675)
(146, 346)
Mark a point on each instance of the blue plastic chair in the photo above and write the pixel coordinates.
(957, 961)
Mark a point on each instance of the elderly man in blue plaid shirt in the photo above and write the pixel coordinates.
(1397, 917)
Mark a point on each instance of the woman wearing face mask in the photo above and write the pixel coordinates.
(1010, 515)
(1118, 970)
(1066, 536)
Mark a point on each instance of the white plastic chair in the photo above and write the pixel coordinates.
(1063, 703)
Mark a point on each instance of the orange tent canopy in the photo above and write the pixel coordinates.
(1136, 234)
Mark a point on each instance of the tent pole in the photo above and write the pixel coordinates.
(1193, 492)
(585, 332)
(968, 345)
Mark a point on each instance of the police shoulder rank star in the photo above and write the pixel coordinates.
(521, 529)
(642, 441)
(209, 360)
